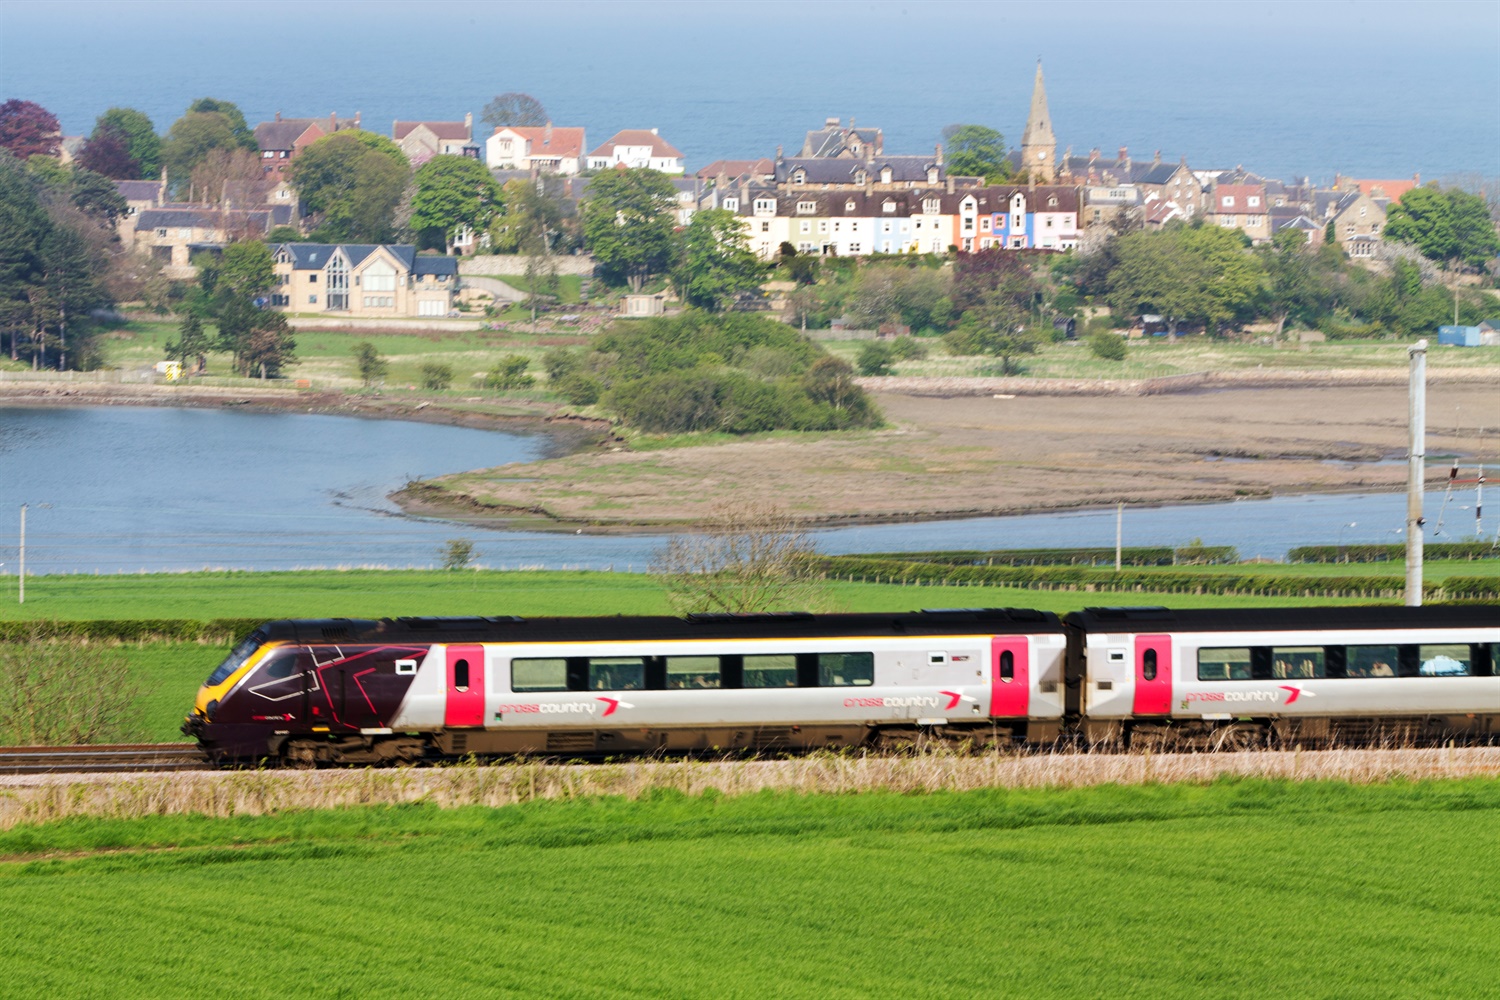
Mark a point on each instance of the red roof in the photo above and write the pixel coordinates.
(1239, 195)
(1385, 189)
(637, 137)
(443, 130)
(736, 168)
(562, 141)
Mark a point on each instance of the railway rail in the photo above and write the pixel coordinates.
(102, 758)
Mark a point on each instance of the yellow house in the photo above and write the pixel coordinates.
(361, 279)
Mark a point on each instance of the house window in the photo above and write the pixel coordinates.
(312, 279)
(1227, 201)
(854, 248)
(805, 226)
(799, 178)
(380, 277)
(885, 175)
(338, 283)
(184, 234)
(765, 206)
(968, 223)
(806, 247)
(1017, 221)
(822, 225)
(161, 234)
(984, 224)
(885, 227)
(859, 176)
(765, 227)
(380, 301)
(312, 299)
(806, 207)
(848, 206)
(1349, 229)
(1052, 202)
(1253, 201)
(269, 154)
(931, 206)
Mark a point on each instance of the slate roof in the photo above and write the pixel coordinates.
(830, 140)
(139, 190)
(208, 217)
(315, 256)
(282, 134)
(434, 264)
(828, 170)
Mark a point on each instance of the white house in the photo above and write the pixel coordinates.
(636, 147)
(543, 149)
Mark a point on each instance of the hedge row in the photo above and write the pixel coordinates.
(876, 570)
(1137, 555)
(219, 630)
(1385, 553)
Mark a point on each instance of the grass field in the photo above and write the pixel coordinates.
(1237, 888)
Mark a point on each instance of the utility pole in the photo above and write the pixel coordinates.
(1416, 467)
(23, 555)
(1119, 532)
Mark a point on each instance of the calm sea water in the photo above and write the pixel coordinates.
(1288, 89)
(134, 489)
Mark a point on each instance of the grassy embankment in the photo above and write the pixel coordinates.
(1237, 888)
(171, 671)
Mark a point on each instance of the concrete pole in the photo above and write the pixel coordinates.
(1416, 468)
(1119, 532)
(23, 555)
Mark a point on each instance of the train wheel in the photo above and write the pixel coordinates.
(301, 755)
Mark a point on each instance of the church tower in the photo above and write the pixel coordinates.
(1038, 144)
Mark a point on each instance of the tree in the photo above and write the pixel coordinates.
(436, 376)
(874, 359)
(258, 340)
(1291, 290)
(230, 176)
(372, 367)
(142, 144)
(27, 129)
(1108, 346)
(717, 262)
(514, 109)
(192, 344)
(246, 269)
(1424, 218)
(975, 151)
(510, 373)
(107, 152)
(1474, 237)
(754, 556)
(995, 326)
(918, 297)
(628, 223)
(96, 196)
(351, 181)
(452, 193)
(193, 137)
(457, 553)
(232, 114)
(1196, 272)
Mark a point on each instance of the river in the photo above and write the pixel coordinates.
(132, 489)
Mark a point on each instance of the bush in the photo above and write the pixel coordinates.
(1109, 346)
(436, 376)
(457, 553)
(66, 692)
(908, 349)
(874, 359)
(510, 373)
(372, 367)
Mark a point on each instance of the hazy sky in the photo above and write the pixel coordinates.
(1315, 85)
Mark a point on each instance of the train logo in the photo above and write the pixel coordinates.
(612, 704)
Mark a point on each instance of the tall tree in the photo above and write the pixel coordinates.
(996, 325)
(107, 152)
(28, 129)
(1197, 272)
(1424, 218)
(1291, 288)
(258, 340)
(514, 109)
(141, 141)
(192, 344)
(1474, 237)
(717, 262)
(975, 151)
(453, 193)
(629, 223)
(372, 367)
(96, 196)
(191, 139)
(230, 176)
(246, 269)
(351, 181)
(232, 114)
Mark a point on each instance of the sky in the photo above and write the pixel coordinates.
(1304, 87)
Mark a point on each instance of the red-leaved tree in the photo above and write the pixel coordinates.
(27, 129)
(107, 152)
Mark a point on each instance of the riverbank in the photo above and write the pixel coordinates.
(569, 432)
(948, 457)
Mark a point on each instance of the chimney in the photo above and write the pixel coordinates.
(654, 132)
(547, 135)
(356, 119)
(1155, 160)
(1124, 156)
(938, 154)
(469, 122)
(333, 122)
(278, 116)
(950, 183)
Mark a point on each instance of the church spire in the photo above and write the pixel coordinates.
(1038, 144)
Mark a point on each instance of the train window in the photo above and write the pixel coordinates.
(281, 664)
(1007, 666)
(846, 669)
(235, 660)
(1447, 660)
(1371, 661)
(775, 671)
(1297, 661)
(460, 675)
(1231, 663)
(1148, 665)
(692, 672)
(617, 673)
(539, 675)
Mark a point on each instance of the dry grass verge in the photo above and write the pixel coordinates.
(39, 799)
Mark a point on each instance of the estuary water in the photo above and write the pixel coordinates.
(127, 489)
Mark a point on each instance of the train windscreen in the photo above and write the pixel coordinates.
(235, 660)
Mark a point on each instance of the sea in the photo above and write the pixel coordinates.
(1287, 89)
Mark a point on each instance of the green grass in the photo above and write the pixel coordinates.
(1155, 357)
(170, 674)
(381, 593)
(1239, 888)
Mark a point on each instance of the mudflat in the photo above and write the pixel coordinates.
(980, 455)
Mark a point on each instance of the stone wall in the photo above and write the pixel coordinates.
(515, 265)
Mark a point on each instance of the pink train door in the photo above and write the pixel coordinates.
(465, 686)
(1153, 675)
(1010, 677)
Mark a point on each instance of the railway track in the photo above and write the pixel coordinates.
(102, 758)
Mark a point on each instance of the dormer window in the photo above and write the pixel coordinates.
(806, 207)
(931, 206)
(765, 206)
(849, 206)
(932, 175)
(1253, 201)
(799, 177)
(1227, 201)
(859, 176)
(732, 204)
(888, 206)
(1052, 201)
(885, 175)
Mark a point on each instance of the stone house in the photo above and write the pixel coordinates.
(1243, 207)
(421, 141)
(173, 233)
(363, 280)
(1355, 216)
(279, 142)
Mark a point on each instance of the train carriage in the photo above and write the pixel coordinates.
(359, 691)
(1309, 674)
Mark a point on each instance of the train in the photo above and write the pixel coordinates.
(401, 690)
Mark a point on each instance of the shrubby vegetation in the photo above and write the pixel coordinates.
(699, 372)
